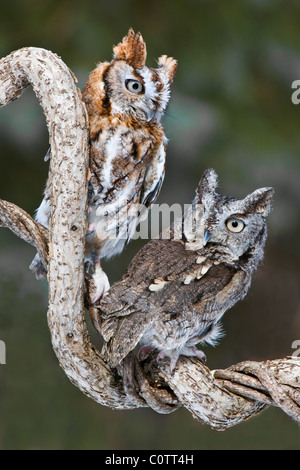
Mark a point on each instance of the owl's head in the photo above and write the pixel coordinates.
(238, 227)
(126, 87)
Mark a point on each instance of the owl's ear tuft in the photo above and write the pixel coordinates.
(260, 201)
(169, 65)
(207, 185)
(132, 49)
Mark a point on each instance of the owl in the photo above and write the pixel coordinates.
(125, 101)
(176, 290)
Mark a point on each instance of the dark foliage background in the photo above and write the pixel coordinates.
(231, 109)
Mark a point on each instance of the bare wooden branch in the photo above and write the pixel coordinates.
(67, 123)
(272, 382)
(17, 220)
(220, 398)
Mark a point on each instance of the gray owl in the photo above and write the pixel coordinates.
(175, 291)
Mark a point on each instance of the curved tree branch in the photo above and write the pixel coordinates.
(220, 399)
(17, 220)
(66, 117)
(273, 382)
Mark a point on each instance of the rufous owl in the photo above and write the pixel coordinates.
(125, 101)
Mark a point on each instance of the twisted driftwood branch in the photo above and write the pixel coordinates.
(220, 399)
(17, 220)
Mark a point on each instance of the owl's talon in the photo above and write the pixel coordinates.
(161, 355)
(99, 295)
(38, 268)
(101, 283)
(173, 359)
(144, 351)
(198, 353)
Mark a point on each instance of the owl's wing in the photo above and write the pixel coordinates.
(127, 332)
(158, 259)
(130, 307)
(150, 192)
(206, 298)
(154, 178)
(125, 315)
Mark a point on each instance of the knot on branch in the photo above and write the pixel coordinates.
(263, 383)
(137, 386)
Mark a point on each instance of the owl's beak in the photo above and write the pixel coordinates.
(207, 237)
(150, 113)
(147, 113)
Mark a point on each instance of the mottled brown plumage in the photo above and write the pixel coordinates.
(125, 101)
(175, 291)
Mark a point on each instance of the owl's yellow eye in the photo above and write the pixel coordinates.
(235, 225)
(134, 86)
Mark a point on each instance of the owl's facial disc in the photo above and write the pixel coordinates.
(224, 228)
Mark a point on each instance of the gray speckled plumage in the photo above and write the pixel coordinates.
(175, 291)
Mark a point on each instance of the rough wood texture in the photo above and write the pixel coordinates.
(66, 118)
(17, 220)
(220, 399)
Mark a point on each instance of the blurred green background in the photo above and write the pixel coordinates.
(230, 109)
